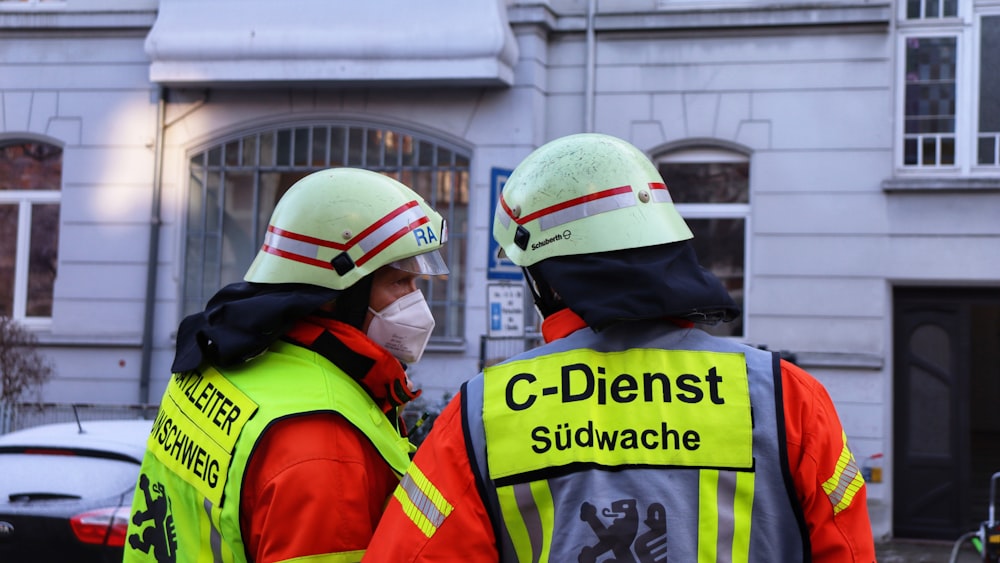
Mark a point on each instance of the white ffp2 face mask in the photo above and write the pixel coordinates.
(403, 327)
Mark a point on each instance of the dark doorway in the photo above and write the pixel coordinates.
(946, 409)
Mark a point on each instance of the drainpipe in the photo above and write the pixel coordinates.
(588, 118)
(154, 249)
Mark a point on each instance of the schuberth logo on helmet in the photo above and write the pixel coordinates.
(565, 235)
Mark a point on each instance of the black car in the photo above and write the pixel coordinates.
(66, 490)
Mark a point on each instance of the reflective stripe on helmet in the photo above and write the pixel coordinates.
(659, 193)
(577, 208)
(374, 239)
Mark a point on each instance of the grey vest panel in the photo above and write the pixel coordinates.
(641, 502)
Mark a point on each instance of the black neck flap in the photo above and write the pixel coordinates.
(638, 283)
(241, 320)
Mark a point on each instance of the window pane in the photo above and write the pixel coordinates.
(932, 8)
(283, 148)
(249, 156)
(910, 151)
(989, 90)
(355, 147)
(707, 182)
(947, 150)
(42, 259)
(8, 257)
(30, 166)
(338, 146)
(373, 148)
(720, 245)
(320, 150)
(301, 146)
(987, 147)
(232, 153)
(268, 148)
(238, 236)
(930, 85)
(929, 105)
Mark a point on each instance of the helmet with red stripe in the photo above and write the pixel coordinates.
(583, 194)
(336, 226)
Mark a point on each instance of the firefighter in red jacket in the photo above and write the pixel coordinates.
(631, 435)
(278, 437)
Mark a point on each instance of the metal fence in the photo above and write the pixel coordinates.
(26, 415)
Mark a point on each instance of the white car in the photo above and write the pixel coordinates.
(66, 490)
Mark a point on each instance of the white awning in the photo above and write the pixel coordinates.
(363, 42)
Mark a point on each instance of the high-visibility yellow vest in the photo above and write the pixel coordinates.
(186, 505)
(635, 442)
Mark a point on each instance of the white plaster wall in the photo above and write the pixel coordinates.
(89, 93)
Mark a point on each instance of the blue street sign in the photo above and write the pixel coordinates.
(499, 268)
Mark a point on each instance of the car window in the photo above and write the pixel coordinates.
(43, 474)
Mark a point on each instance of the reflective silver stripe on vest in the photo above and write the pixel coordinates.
(727, 518)
(522, 491)
(215, 538)
(752, 517)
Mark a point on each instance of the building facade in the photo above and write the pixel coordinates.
(839, 163)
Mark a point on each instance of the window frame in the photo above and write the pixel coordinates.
(966, 29)
(453, 302)
(25, 200)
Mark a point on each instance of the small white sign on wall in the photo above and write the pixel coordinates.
(505, 302)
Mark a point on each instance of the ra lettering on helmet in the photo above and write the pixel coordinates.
(336, 226)
(425, 236)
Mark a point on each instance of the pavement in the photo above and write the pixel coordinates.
(924, 551)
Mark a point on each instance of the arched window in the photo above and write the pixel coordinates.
(235, 184)
(30, 183)
(711, 188)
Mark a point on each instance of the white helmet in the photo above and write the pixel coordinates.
(336, 226)
(583, 194)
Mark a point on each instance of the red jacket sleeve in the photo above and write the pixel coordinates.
(441, 467)
(818, 455)
(314, 485)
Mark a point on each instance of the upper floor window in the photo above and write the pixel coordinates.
(235, 184)
(30, 183)
(917, 9)
(951, 78)
(929, 137)
(711, 189)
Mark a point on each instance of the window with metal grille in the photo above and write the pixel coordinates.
(235, 184)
